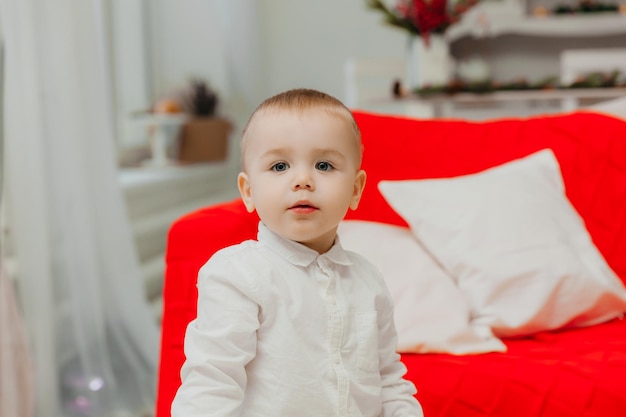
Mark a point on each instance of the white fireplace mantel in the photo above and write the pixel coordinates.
(491, 19)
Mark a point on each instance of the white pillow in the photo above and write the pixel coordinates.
(514, 244)
(431, 315)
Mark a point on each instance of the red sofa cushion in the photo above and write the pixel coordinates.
(573, 373)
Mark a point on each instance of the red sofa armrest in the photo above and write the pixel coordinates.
(191, 241)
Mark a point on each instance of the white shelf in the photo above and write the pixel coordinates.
(483, 22)
(443, 105)
(528, 95)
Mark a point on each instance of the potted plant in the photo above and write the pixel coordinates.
(204, 136)
(429, 63)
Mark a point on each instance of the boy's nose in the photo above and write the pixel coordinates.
(303, 180)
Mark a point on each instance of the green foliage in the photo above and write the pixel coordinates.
(391, 18)
(613, 79)
(585, 6)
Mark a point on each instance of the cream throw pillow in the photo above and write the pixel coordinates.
(514, 244)
(431, 315)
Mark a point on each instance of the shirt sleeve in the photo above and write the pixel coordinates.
(219, 343)
(397, 392)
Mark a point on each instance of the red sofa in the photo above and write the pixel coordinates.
(559, 373)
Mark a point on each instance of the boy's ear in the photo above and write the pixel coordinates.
(359, 184)
(244, 189)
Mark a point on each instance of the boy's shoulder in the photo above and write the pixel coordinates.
(234, 252)
(245, 255)
(231, 263)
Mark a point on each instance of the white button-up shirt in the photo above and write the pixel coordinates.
(284, 331)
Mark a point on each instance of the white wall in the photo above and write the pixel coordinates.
(307, 42)
(273, 44)
(129, 67)
(186, 42)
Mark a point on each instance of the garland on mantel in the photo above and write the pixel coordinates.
(613, 79)
(586, 6)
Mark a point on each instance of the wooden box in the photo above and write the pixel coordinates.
(204, 140)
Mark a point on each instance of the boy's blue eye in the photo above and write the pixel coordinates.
(323, 166)
(280, 166)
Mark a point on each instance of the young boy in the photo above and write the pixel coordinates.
(292, 325)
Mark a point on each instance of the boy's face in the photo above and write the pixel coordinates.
(301, 173)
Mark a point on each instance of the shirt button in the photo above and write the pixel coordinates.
(336, 358)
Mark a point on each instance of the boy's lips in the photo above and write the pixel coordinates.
(303, 207)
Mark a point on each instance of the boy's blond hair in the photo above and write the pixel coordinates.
(301, 99)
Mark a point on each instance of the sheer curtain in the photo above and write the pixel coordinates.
(94, 342)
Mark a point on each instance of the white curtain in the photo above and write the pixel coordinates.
(94, 342)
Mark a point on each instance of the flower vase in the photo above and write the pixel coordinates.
(428, 65)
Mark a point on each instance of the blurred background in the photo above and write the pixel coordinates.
(119, 116)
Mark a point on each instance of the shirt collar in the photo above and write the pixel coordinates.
(297, 253)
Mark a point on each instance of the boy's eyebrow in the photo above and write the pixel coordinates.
(332, 152)
(322, 152)
(273, 153)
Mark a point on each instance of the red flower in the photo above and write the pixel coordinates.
(429, 15)
(422, 17)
